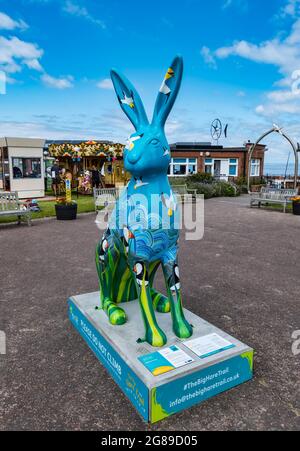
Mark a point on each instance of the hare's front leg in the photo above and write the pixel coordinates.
(160, 302)
(153, 333)
(181, 327)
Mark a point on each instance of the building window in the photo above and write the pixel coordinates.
(181, 167)
(209, 166)
(29, 168)
(255, 168)
(233, 167)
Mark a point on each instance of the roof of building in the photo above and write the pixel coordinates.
(79, 149)
(208, 146)
(74, 142)
(22, 142)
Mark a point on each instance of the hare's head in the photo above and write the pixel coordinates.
(147, 151)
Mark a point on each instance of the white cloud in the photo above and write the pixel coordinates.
(105, 84)
(291, 8)
(283, 96)
(208, 57)
(58, 83)
(282, 53)
(273, 110)
(7, 23)
(34, 64)
(242, 5)
(74, 9)
(108, 125)
(14, 52)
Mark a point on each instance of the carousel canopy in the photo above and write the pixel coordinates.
(75, 149)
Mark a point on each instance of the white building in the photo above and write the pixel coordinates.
(22, 166)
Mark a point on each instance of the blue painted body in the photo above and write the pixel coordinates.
(147, 157)
(156, 234)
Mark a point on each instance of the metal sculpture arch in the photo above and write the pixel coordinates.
(296, 149)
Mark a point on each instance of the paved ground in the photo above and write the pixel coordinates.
(244, 276)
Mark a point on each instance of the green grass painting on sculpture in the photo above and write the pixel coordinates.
(117, 284)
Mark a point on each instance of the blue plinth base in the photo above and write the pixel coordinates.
(167, 390)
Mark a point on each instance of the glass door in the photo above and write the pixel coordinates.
(224, 170)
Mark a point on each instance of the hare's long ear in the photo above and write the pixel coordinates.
(168, 92)
(129, 99)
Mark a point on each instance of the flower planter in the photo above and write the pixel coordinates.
(296, 208)
(66, 212)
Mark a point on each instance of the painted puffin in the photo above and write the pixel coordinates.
(139, 270)
(176, 285)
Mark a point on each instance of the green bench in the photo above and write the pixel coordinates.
(268, 196)
(11, 206)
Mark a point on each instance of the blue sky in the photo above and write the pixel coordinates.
(242, 64)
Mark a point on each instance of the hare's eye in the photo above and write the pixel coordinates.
(154, 141)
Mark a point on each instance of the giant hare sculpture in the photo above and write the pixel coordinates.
(133, 248)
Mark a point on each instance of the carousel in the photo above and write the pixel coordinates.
(82, 159)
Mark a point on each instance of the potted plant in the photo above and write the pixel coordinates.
(296, 205)
(65, 211)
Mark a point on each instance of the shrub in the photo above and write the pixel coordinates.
(200, 178)
(258, 181)
(205, 184)
(243, 189)
(206, 189)
(241, 181)
(226, 189)
(177, 181)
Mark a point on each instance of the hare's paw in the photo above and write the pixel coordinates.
(118, 318)
(156, 337)
(160, 302)
(183, 329)
(163, 305)
(116, 315)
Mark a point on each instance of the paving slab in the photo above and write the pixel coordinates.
(242, 277)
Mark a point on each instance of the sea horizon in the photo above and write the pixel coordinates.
(279, 169)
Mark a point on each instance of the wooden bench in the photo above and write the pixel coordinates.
(11, 206)
(268, 196)
(183, 191)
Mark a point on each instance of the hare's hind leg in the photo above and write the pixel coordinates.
(181, 327)
(153, 333)
(160, 302)
(107, 258)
